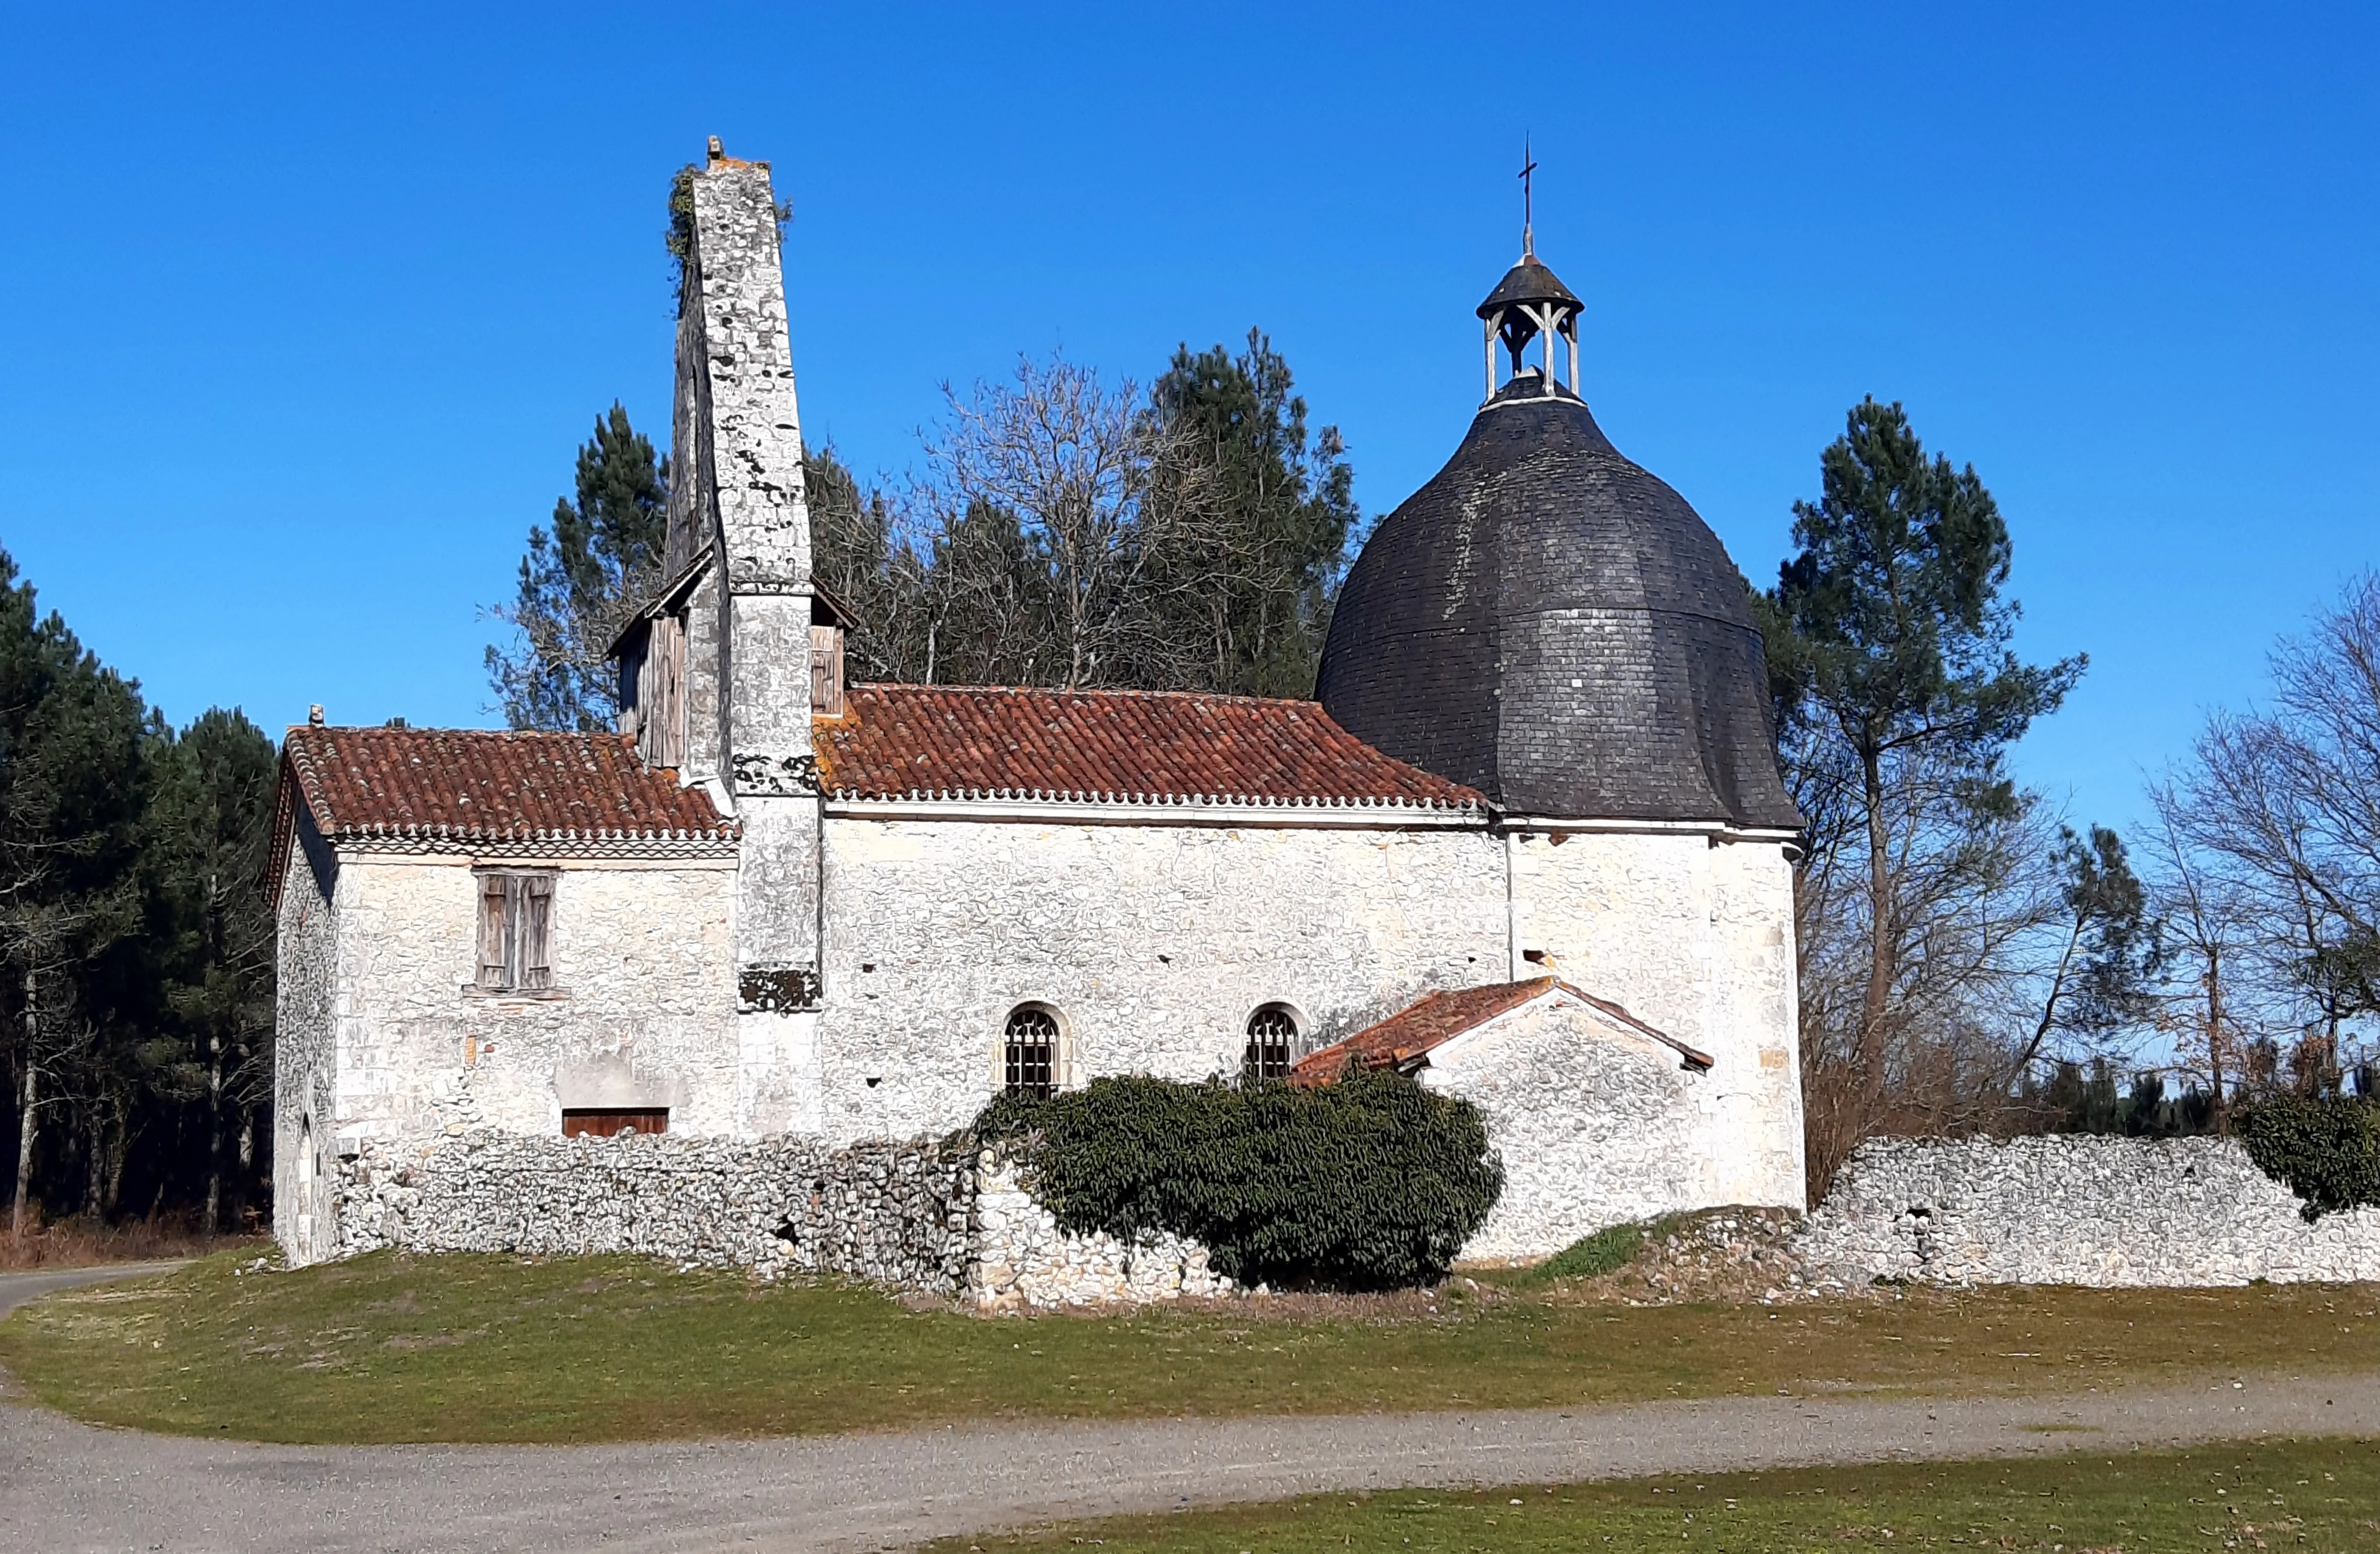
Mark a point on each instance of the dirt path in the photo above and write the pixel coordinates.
(67, 1486)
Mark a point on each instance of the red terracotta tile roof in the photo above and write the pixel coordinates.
(477, 785)
(1440, 1018)
(1129, 746)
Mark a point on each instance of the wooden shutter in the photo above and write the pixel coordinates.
(536, 931)
(826, 671)
(660, 694)
(492, 937)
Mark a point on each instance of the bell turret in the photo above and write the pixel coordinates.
(1530, 306)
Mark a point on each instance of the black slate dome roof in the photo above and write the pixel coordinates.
(1551, 624)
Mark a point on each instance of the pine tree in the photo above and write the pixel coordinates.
(209, 835)
(861, 554)
(1280, 500)
(1889, 654)
(73, 784)
(2112, 949)
(580, 582)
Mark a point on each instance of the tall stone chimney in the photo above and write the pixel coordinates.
(737, 490)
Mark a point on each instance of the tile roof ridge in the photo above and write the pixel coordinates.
(522, 734)
(1119, 692)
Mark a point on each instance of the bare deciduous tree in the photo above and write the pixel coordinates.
(1053, 560)
(2277, 818)
(1978, 925)
(2205, 919)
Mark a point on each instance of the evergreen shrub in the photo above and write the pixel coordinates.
(1371, 1182)
(2327, 1149)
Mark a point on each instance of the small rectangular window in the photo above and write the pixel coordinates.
(605, 1124)
(516, 931)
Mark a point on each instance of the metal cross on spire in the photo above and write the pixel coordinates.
(1528, 212)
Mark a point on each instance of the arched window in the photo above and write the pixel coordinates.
(1030, 1061)
(1272, 1044)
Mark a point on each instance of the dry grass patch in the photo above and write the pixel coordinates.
(80, 1244)
(393, 1348)
(2321, 1495)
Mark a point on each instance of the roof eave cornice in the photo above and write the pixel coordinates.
(1343, 814)
(1723, 831)
(590, 843)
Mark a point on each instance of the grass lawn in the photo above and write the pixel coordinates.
(392, 1348)
(2313, 1494)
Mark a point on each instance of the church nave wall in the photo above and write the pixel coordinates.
(1154, 943)
(1695, 938)
(639, 1013)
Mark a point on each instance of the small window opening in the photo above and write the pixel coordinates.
(605, 1124)
(1031, 1059)
(516, 931)
(1272, 1044)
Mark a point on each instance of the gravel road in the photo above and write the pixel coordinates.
(67, 1486)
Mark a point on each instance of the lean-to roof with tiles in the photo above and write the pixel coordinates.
(475, 785)
(1403, 1039)
(1158, 748)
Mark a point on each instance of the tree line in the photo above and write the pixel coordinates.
(1064, 531)
(136, 1016)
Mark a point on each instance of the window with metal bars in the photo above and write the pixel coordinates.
(1272, 1044)
(1032, 1053)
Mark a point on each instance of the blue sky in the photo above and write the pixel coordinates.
(302, 315)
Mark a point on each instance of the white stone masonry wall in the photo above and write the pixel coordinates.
(1154, 944)
(919, 1215)
(1594, 1125)
(2069, 1210)
(641, 1013)
(896, 1213)
(1021, 1258)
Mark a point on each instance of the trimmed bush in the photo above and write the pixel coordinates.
(2327, 1152)
(1371, 1182)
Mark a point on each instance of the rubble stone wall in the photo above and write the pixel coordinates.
(897, 1213)
(2069, 1209)
(1021, 1258)
(936, 1216)
(305, 1002)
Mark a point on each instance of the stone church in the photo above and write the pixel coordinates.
(1528, 842)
